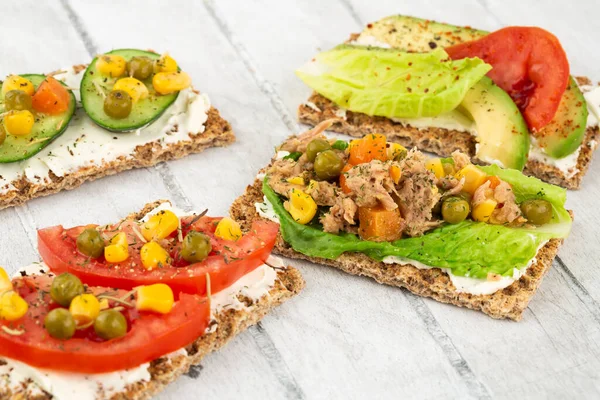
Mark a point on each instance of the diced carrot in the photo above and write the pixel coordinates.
(343, 186)
(494, 181)
(51, 97)
(395, 173)
(371, 147)
(379, 225)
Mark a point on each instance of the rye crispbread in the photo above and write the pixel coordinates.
(217, 133)
(229, 323)
(506, 303)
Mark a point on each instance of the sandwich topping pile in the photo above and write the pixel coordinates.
(510, 89)
(397, 206)
(109, 300)
(127, 107)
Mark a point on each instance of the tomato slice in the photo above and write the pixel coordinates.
(149, 336)
(51, 97)
(528, 63)
(227, 263)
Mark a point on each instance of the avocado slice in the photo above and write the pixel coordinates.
(419, 35)
(564, 134)
(561, 137)
(45, 129)
(502, 132)
(143, 112)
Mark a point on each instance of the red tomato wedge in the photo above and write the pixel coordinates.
(149, 336)
(227, 262)
(50, 97)
(528, 63)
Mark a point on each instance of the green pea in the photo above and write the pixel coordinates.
(110, 324)
(455, 210)
(328, 165)
(537, 211)
(195, 247)
(60, 324)
(315, 147)
(65, 287)
(90, 243)
(118, 104)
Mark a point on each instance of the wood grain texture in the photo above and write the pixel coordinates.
(344, 336)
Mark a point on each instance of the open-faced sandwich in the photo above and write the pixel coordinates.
(119, 311)
(475, 236)
(129, 108)
(503, 98)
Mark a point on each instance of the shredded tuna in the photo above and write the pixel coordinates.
(279, 173)
(341, 215)
(507, 210)
(299, 143)
(323, 193)
(418, 194)
(370, 184)
(461, 160)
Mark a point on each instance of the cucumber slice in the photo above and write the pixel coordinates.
(45, 129)
(143, 112)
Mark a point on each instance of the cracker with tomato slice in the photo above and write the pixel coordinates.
(364, 258)
(206, 321)
(562, 162)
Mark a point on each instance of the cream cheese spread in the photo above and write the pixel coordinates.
(85, 144)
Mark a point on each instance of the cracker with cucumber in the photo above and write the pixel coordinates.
(528, 113)
(480, 237)
(127, 109)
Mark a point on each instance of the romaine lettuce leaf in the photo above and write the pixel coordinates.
(392, 83)
(469, 249)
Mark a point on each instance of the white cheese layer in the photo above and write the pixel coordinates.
(67, 386)
(567, 165)
(85, 144)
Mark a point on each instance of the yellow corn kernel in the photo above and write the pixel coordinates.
(12, 306)
(395, 150)
(165, 63)
(169, 82)
(118, 249)
(134, 88)
(18, 123)
(104, 304)
(16, 82)
(160, 225)
(297, 180)
(111, 65)
(474, 177)
(84, 309)
(5, 282)
(312, 185)
(154, 256)
(228, 229)
(302, 207)
(156, 298)
(435, 166)
(482, 211)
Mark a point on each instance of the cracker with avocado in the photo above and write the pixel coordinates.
(563, 136)
(163, 371)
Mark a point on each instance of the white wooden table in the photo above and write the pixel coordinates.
(344, 336)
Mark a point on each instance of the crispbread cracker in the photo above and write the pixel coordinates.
(217, 133)
(506, 303)
(230, 323)
(435, 140)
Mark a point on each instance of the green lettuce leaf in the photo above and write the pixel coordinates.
(392, 83)
(468, 249)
